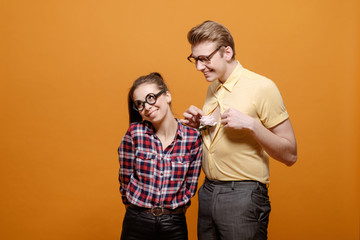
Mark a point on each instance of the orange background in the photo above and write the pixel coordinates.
(66, 67)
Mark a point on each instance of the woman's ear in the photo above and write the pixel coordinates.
(168, 97)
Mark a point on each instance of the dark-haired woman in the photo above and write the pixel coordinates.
(160, 161)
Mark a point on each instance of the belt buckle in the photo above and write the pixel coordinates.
(157, 211)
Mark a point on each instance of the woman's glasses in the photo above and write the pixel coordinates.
(149, 99)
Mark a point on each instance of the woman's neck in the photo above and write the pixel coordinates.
(167, 127)
(166, 131)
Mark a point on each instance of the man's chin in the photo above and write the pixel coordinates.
(210, 79)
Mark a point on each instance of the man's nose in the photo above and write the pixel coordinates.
(200, 65)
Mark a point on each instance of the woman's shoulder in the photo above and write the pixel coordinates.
(188, 130)
(135, 125)
(142, 126)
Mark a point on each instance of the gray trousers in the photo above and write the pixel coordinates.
(236, 210)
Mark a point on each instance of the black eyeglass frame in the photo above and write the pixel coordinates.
(142, 103)
(203, 58)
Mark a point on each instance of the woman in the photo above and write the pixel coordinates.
(160, 162)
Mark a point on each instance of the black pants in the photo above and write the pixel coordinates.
(139, 225)
(233, 210)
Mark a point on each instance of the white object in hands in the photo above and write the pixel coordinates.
(207, 121)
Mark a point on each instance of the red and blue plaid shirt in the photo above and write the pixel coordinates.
(150, 176)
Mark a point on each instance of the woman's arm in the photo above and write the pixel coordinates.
(193, 173)
(126, 160)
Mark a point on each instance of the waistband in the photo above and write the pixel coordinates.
(232, 184)
(159, 211)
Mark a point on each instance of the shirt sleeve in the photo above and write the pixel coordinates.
(193, 173)
(270, 106)
(126, 161)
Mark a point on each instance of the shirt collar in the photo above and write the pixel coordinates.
(232, 79)
(149, 128)
(180, 130)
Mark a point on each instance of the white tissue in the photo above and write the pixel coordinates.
(208, 121)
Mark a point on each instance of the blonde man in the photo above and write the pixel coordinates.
(251, 123)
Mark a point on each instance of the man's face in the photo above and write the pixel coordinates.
(216, 68)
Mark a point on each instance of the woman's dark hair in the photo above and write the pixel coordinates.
(156, 78)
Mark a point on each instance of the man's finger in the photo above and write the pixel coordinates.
(184, 121)
(195, 111)
(187, 115)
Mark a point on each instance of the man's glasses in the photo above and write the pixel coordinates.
(202, 58)
(149, 99)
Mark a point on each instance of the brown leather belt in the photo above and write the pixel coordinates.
(159, 211)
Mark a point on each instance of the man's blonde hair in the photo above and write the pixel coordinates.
(213, 32)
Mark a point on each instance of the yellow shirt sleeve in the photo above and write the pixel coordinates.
(269, 104)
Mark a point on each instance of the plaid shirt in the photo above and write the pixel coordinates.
(150, 176)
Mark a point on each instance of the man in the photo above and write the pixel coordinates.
(252, 123)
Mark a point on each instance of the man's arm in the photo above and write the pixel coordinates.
(279, 142)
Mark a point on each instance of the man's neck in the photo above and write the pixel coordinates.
(229, 69)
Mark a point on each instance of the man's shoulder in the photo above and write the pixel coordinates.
(257, 79)
(253, 75)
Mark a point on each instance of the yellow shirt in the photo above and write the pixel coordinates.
(232, 155)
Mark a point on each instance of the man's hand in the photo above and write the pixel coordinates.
(234, 119)
(192, 117)
(279, 141)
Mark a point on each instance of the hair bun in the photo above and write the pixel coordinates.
(156, 74)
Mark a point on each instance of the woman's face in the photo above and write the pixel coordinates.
(156, 112)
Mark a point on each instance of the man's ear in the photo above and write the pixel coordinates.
(228, 53)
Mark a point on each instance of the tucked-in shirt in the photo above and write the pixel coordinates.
(233, 155)
(150, 176)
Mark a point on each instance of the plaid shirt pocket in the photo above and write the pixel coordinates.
(179, 167)
(145, 165)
